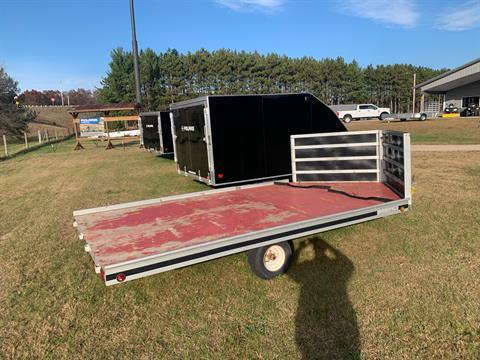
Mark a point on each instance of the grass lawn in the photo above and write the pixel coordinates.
(401, 287)
(54, 115)
(15, 146)
(436, 131)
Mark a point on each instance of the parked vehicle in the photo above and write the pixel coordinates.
(451, 109)
(339, 179)
(422, 116)
(351, 112)
(471, 110)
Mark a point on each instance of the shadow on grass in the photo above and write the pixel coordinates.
(53, 144)
(169, 156)
(326, 324)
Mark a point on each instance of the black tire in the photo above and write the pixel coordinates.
(347, 118)
(257, 259)
(423, 117)
(403, 119)
(382, 115)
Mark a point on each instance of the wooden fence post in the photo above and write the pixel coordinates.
(5, 145)
(26, 139)
(39, 137)
(46, 135)
(56, 135)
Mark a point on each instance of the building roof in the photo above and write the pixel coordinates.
(452, 79)
(104, 107)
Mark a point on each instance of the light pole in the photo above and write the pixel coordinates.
(136, 68)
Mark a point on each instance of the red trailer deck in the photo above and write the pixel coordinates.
(132, 240)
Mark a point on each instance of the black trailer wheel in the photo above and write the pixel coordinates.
(272, 260)
(403, 119)
(347, 118)
(423, 117)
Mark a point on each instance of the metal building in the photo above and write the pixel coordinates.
(459, 87)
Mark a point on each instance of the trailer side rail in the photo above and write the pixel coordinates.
(350, 156)
(354, 156)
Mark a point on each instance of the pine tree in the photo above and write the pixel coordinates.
(119, 84)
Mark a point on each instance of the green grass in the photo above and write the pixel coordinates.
(437, 131)
(15, 147)
(446, 138)
(400, 287)
(54, 115)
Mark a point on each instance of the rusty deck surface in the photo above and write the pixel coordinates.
(116, 236)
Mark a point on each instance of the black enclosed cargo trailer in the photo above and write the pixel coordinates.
(156, 131)
(223, 140)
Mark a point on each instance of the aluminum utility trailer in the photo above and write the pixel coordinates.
(339, 179)
(422, 116)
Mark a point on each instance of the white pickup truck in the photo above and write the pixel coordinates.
(351, 112)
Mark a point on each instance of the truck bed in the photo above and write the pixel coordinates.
(141, 238)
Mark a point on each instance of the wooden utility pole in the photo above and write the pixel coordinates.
(136, 66)
(414, 85)
(5, 145)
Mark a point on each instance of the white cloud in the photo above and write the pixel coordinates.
(401, 13)
(461, 17)
(262, 5)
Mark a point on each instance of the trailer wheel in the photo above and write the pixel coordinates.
(347, 118)
(403, 119)
(423, 117)
(382, 116)
(270, 261)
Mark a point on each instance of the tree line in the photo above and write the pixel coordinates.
(14, 119)
(171, 76)
(54, 97)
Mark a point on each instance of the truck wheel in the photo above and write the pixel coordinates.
(382, 115)
(423, 117)
(347, 118)
(270, 261)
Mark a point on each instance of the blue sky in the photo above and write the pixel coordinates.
(49, 44)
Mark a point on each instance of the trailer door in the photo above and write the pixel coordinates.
(190, 142)
(151, 139)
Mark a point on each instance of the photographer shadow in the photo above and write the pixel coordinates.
(326, 324)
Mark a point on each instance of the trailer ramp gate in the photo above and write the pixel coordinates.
(133, 240)
(376, 155)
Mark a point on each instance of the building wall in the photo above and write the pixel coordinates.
(454, 96)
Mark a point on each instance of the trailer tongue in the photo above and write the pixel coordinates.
(133, 240)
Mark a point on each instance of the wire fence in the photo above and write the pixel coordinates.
(15, 146)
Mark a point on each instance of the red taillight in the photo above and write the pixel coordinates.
(220, 176)
(121, 277)
(102, 274)
(337, 113)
